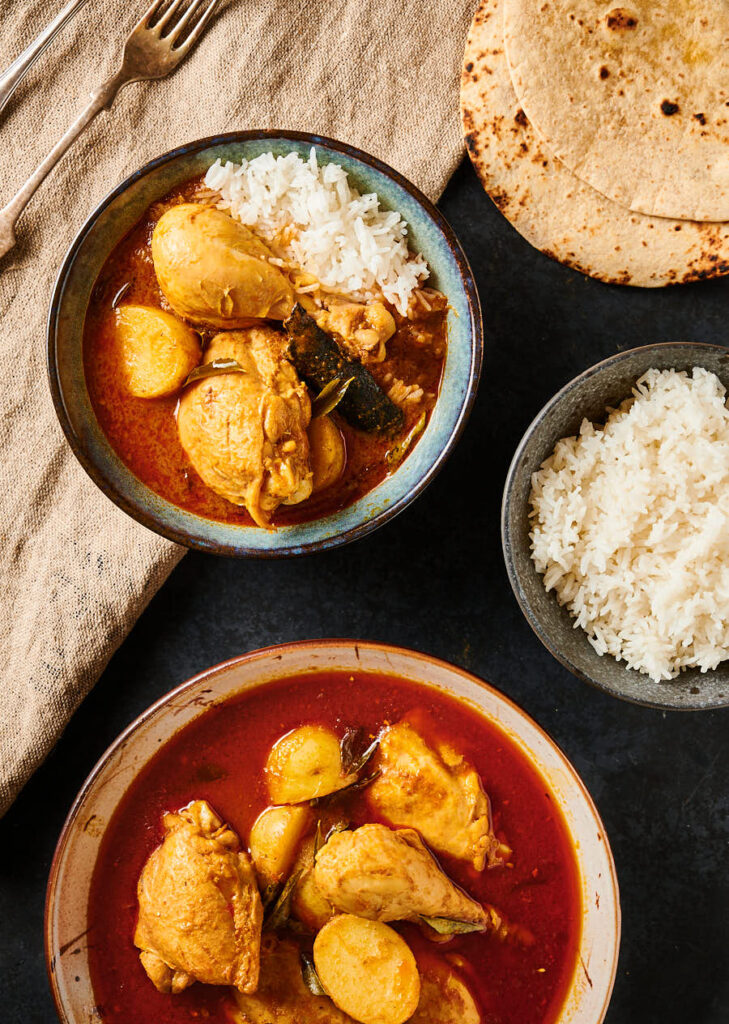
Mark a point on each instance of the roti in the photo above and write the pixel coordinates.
(633, 99)
(555, 211)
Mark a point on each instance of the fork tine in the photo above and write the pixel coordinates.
(164, 20)
(148, 14)
(178, 30)
(199, 28)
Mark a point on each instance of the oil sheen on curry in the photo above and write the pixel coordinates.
(242, 386)
(330, 849)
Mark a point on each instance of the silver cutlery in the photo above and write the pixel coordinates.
(12, 76)
(157, 44)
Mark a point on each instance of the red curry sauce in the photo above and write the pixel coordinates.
(220, 758)
(143, 432)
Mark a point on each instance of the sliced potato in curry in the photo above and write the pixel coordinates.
(327, 452)
(390, 875)
(245, 433)
(444, 996)
(157, 351)
(214, 271)
(437, 792)
(308, 904)
(368, 970)
(282, 996)
(274, 841)
(305, 764)
(200, 913)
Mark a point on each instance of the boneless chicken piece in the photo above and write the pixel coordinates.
(214, 271)
(363, 329)
(245, 433)
(389, 875)
(281, 996)
(437, 792)
(200, 912)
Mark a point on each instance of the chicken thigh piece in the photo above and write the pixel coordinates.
(389, 875)
(245, 433)
(437, 792)
(200, 913)
(214, 271)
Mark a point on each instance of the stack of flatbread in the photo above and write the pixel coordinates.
(602, 132)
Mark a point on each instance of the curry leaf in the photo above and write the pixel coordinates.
(448, 926)
(354, 758)
(398, 453)
(214, 369)
(329, 397)
(353, 787)
(311, 978)
(281, 908)
(270, 894)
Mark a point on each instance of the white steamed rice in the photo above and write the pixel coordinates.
(342, 238)
(630, 525)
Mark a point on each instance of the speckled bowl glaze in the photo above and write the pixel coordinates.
(67, 934)
(429, 233)
(606, 384)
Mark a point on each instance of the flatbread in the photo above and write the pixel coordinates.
(553, 209)
(634, 100)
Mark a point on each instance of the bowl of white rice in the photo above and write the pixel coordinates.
(615, 525)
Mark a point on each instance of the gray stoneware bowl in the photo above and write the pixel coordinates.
(587, 396)
(429, 233)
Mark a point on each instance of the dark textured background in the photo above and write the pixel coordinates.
(434, 579)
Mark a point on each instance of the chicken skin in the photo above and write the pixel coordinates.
(245, 433)
(200, 913)
(389, 875)
(438, 793)
(282, 997)
(214, 271)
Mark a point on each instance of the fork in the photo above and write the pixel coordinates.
(11, 78)
(154, 48)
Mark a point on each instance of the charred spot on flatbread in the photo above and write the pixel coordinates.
(620, 20)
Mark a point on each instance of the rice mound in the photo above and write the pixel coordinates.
(630, 525)
(322, 225)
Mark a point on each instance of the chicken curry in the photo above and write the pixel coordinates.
(381, 856)
(235, 387)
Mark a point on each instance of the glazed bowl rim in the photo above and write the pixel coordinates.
(508, 547)
(272, 650)
(358, 529)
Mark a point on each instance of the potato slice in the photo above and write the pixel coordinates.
(327, 452)
(308, 905)
(157, 350)
(367, 970)
(304, 764)
(444, 997)
(274, 840)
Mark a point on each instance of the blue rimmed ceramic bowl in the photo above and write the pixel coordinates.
(429, 233)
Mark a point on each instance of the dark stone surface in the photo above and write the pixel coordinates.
(434, 579)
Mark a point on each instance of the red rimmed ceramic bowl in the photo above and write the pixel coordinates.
(69, 939)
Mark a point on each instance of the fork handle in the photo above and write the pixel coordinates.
(101, 98)
(10, 78)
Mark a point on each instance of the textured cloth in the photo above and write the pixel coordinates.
(75, 572)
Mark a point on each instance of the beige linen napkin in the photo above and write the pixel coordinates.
(75, 572)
